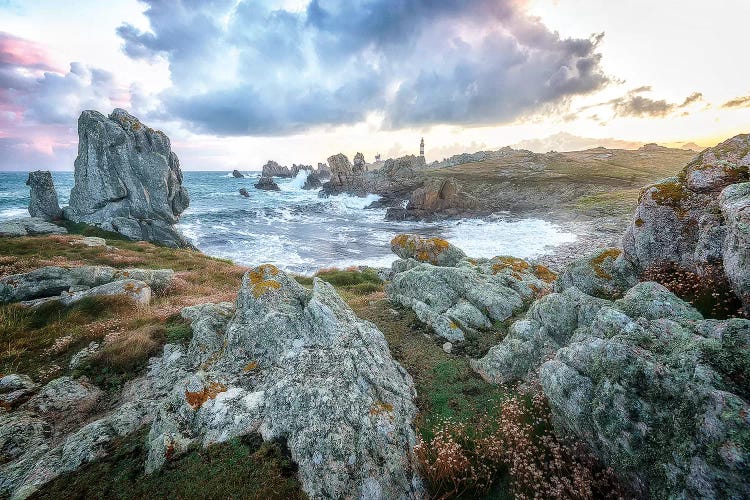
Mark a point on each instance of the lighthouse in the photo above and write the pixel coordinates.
(421, 148)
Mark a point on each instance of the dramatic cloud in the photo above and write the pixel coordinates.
(738, 102)
(635, 104)
(39, 103)
(245, 68)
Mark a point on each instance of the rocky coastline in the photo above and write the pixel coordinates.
(635, 338)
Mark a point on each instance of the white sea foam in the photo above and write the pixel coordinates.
(13, 213)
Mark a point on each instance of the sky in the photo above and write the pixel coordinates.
(235, 83)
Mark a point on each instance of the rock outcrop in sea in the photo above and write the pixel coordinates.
(127, 179)
(394, 181)
(273, 169)
(237, 174)
(700, 219)
(267, 184)
(436, 198)
(312, 181)
(43, 202)
(323, 172)
(289, 363)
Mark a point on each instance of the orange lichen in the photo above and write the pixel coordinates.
(515, 264)
(197, 399)
(380, 407)
(261, 285)
(453, 325)
(598, 261)
(422, 249)
(639, 222)
(669, 193)
(253, 365)
(544, 273)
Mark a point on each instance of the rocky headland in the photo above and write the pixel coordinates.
(621, 374)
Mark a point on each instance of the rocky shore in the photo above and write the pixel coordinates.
(638, 352)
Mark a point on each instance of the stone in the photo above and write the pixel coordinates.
(83, 355)
(436, 251)
(138, 291)
(297, 365)
(127, 179)
(447, 347)
(686, 221)
(358, 163)
(237, 174)
(605, 274)
(29, 226)
(312, 181)
(21, 431)
(52, 281)
(90, 241)
(463, 300)
(734, 202)
(273, 169)
(267, 184)
(15, 389)
(64, 402)
(244, 193)
(344, 178)
(296, 169)
(43, 202)
(323, 172)
(437, 197)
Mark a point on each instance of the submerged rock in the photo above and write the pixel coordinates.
(237, 174)
(244, 193)
(43, 202)
(267, 184)
(127, 179)
(29, 226)
(688, 221)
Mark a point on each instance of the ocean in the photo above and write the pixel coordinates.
(300, 232)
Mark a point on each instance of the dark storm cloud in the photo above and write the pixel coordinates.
(245, 68)
(634, 104)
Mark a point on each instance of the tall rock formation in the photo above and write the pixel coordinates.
(273, 169)
(345, 178)
(127, 179)
(698, 219)
(43, 197)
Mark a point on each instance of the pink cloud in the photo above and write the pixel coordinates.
(15, 51)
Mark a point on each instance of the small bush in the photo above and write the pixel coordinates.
(348, 277)
(177, 330)
(708, 289)
(512, 441)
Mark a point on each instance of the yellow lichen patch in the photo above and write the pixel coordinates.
(253, 365)
(422, 249)
(513, 263)
(197, 399)
(259, 284)
(544, 273)
(669, 193)
(380, 407)
(453, 325)
(598, 261)
(400, 241)
(639, 222)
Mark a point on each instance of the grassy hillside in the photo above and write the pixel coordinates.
(595, 182)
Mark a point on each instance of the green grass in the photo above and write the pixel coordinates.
(240, 468)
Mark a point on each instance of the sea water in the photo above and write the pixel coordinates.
(300, 232)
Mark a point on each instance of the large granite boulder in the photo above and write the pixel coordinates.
(687, 222)
(298, 365)
(655, 390)
(64, 402)
(29, 226)
(127, 179)
(273, 169)
(344, 177)
(436, 251)
(43, 202)
(734, 202)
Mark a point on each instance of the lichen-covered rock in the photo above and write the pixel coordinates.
(51, 281)
(43, 197)
(136, 290)
(267, 183)
(15, 389)
(681, 221)
(127, 179)
(29, 226)
(455, 301)
(604, 274)
(735, 208)
(298, 365)
(90, 241)
(549, 324)
(648, 398)
(83, 355)
(64, 402)
(436, 251)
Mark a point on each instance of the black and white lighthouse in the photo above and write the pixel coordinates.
(421, 148)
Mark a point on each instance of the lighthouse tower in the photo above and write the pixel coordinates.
(421, 148)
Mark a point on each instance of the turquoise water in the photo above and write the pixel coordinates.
(300, 232)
